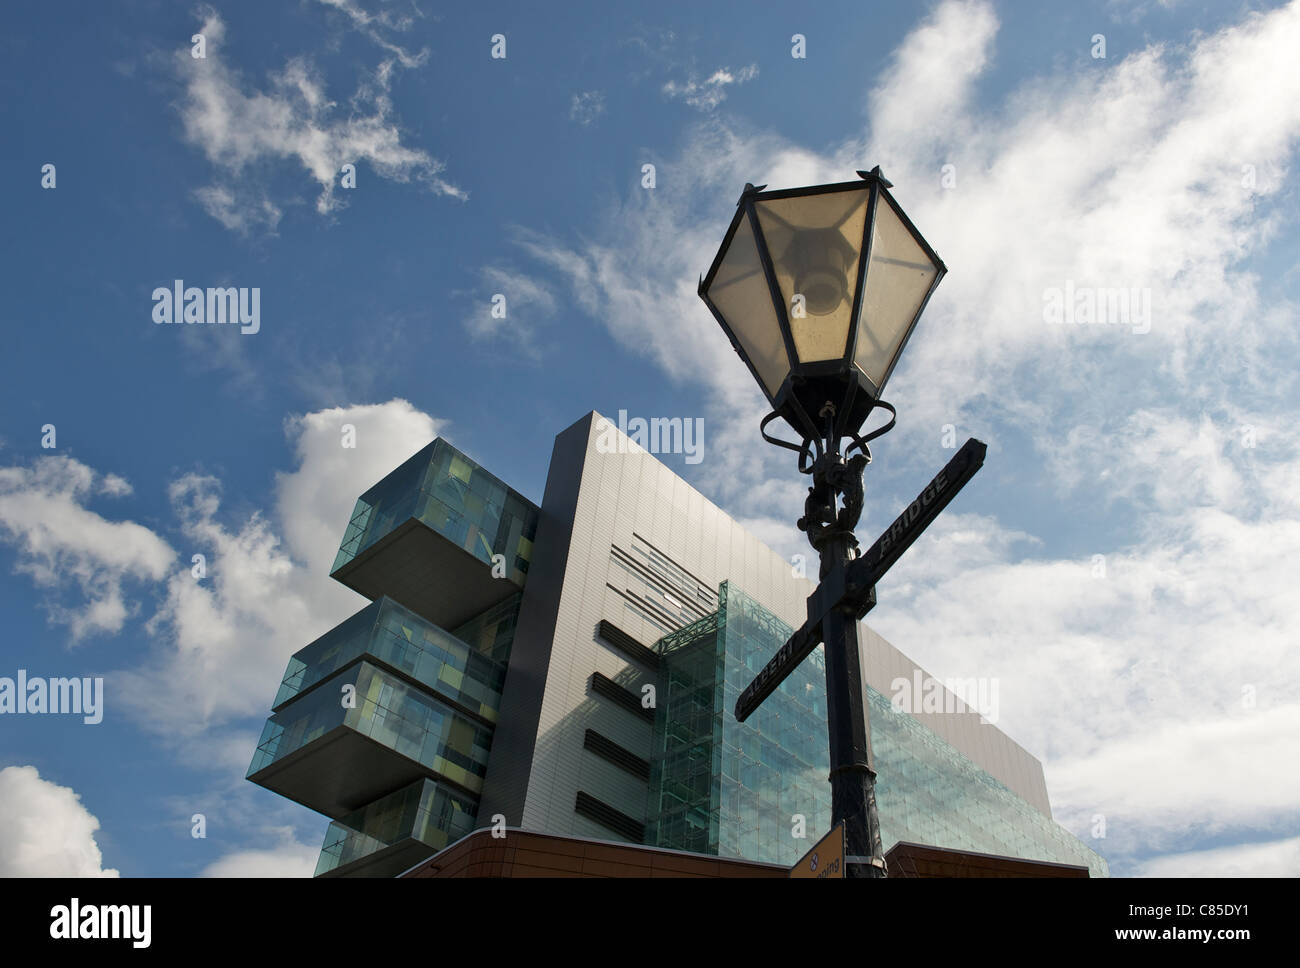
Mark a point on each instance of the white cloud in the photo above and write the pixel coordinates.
(1277, 858)
(1156, 783)
(243, 130)
(707, 94)
(60, 542)
(1162, 693)
(925, 99)
(529, 301)
(781, 535)
(45, 831)
(373, 25)
(315, 500)
(241, 213)
(385, 17)
(223, 642)
(1125, 175)
(287, 859)
(586, 106)
(114, 485)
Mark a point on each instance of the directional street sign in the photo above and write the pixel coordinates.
(826, 859)
(854, 586)
(907, 527)
(797, 648)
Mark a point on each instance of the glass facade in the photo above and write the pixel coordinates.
(927, 792)
(471, 675)
(451, 494)
(422, 811)
(492, 633)
(734, 789)
(390, 711)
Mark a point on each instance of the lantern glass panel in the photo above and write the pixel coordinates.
(899, 275)
(741, 294)
(815, 242)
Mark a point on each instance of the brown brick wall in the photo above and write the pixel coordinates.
(526, 854)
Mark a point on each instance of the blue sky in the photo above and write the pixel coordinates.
(1169, 448)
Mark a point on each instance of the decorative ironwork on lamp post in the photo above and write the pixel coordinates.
(818, 290)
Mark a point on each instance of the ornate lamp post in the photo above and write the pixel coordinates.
(818, 290)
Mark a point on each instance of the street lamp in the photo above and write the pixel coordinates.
(818, 290)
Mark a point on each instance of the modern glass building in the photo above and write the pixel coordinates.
(572, 668)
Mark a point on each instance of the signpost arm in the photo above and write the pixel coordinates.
(854, 584)
(797, 648)
(871, 566)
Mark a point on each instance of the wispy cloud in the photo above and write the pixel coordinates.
(376, 25)
(510, 305)
(586, 106)
(243, 131)
(73, 552)
(707, 94)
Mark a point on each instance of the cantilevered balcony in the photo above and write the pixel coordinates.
(334, 757)
(430, 533)
(395, 832)
(381, 701)
(468, 674)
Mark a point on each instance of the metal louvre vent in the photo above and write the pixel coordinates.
(588, 806)
(686, 582)
(629, 646)
(609, 689)
(624, 759)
